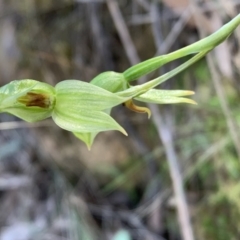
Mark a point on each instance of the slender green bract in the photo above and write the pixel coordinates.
(85, 108)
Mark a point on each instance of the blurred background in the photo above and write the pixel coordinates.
(53, 188)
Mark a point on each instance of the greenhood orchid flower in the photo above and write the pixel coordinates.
(76, 106)
(85, 108)
(27, 99)
(114, 82)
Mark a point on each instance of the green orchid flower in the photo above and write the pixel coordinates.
(85, 108)
(27, 99)
(115, 82)
(76, 106)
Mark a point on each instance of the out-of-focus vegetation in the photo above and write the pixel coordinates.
(51, 187)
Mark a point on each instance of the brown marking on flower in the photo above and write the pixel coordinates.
(130, 105)
(32, 99)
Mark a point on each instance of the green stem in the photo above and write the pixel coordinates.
(205, 44)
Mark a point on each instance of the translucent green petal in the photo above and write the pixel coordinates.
(81, 95)
(18, 86)
(15, 89)
(166, 96)
(31, 114)
(85, 120)
(87, 138)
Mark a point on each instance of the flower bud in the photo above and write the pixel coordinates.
(111, 81)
